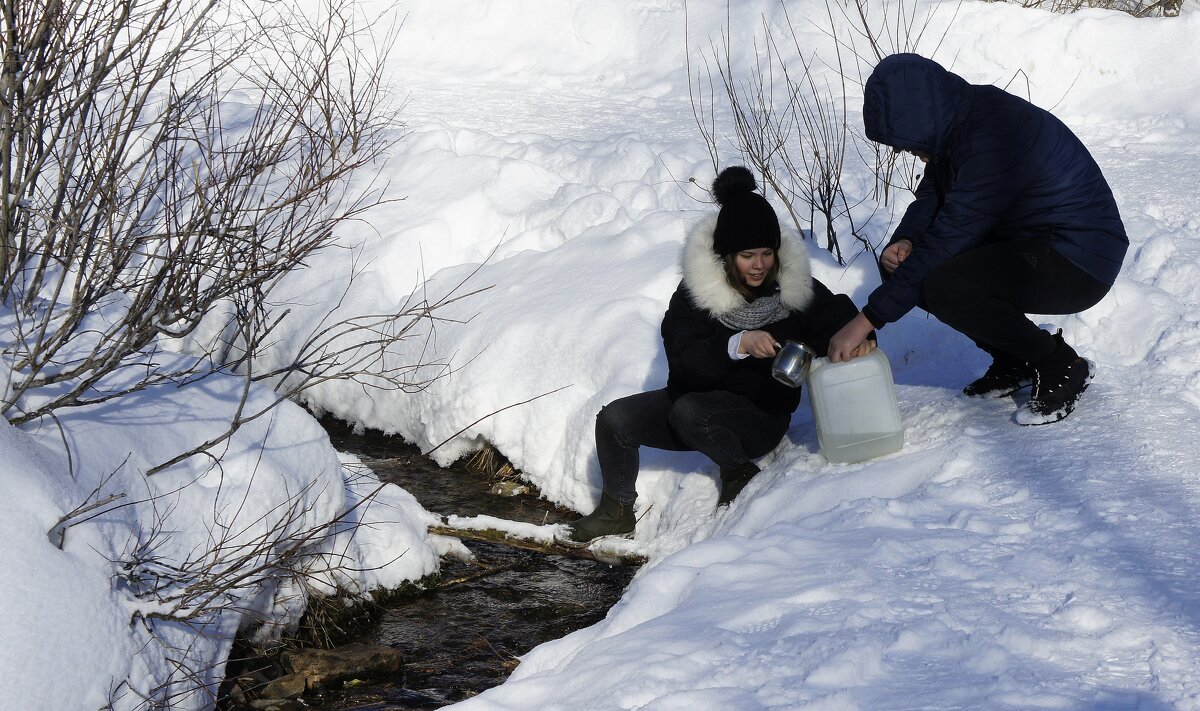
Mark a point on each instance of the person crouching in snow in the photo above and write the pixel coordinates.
(1012, 216)
(746, 289)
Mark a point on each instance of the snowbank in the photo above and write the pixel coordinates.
(127, 598)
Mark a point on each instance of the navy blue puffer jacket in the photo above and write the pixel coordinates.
(1000, 168)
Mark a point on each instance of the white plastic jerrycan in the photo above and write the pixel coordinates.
(854, 406)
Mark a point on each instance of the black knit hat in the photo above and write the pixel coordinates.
(746, 220)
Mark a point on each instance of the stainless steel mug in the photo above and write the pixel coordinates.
(792, 363)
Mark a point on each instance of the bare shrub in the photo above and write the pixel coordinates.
(167, 162)
(1137, 8)
(164, 165)
(789, 111)
(789, 124)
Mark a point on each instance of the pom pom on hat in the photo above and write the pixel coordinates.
(732, 182)
(746, 220)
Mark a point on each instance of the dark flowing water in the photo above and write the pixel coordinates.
(464, 635)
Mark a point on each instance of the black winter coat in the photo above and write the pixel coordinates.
(697, 342)
(1000, 169)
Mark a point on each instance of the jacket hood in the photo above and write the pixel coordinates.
(704, 272)
(912, 103)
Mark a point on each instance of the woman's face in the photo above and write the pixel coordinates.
(753, 265)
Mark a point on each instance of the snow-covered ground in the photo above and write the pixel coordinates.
(550, 150)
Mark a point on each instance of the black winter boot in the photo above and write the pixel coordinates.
(1058, 381)
(611, 518)
(734, 479)
(1004, 376)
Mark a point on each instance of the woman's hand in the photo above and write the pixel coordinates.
(759, 344)
(851, 341)
(895, 253)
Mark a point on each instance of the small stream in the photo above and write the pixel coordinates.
(464, 637)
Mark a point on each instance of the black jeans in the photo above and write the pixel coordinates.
(985, 293)
(727, 428)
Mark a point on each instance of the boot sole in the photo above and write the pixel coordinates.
(570, 543)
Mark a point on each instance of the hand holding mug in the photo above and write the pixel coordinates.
(758, 344)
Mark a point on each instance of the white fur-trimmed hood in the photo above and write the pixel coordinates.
(704, 272)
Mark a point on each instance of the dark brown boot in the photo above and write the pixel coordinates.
(611, 518)
(734, 479)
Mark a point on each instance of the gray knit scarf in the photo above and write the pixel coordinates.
(755, 314)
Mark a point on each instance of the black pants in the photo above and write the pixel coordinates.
(986, 292)
(727, 428)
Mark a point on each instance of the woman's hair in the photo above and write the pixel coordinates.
(734, 277)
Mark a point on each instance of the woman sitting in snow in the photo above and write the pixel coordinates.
(745, 290)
